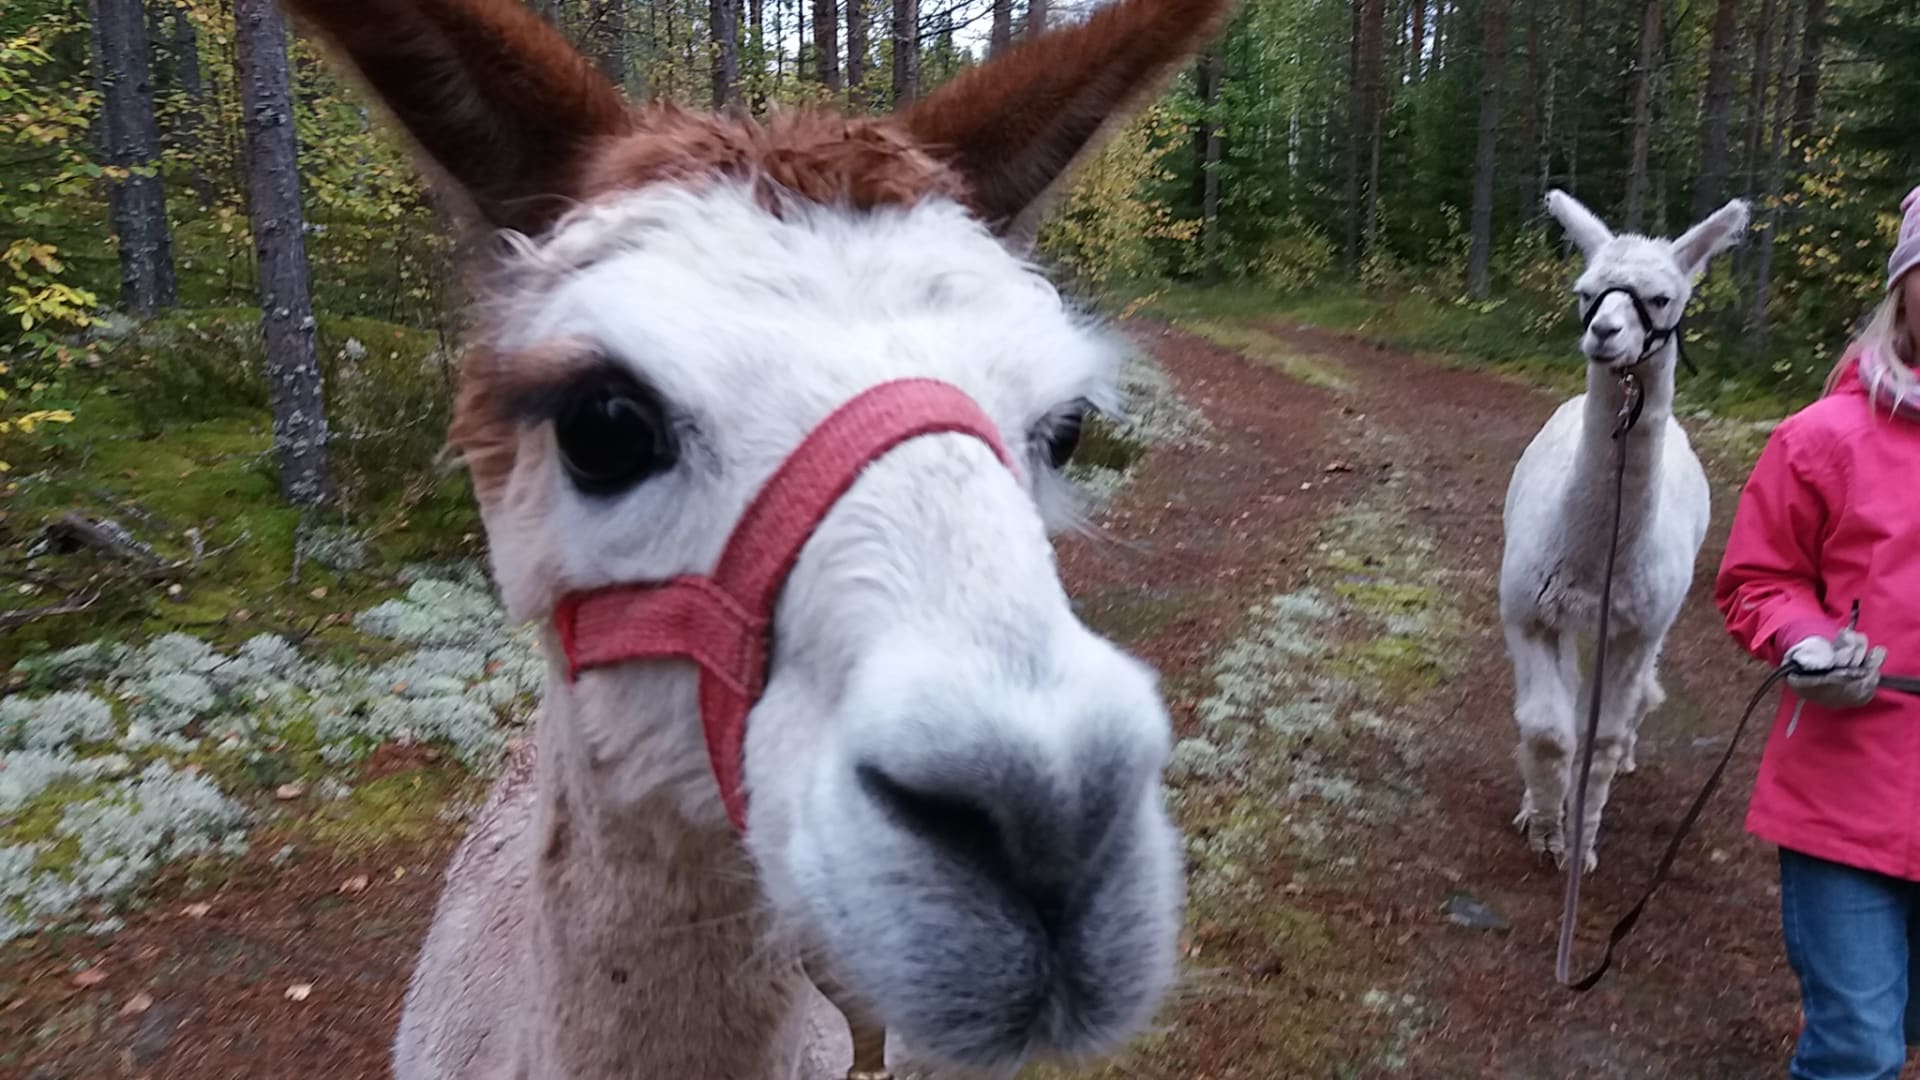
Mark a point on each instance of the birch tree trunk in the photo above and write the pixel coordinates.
(273, 205)
(1486, 157)
(130, 143)
(1001, 34)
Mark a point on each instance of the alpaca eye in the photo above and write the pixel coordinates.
(1660, 302)
(1062, 434)
(612, 435)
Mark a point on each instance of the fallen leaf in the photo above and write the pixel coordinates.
(242, 615)
(355, 884)
(1337, 467)
(299, 991)
(319, 593)
(137, 1004)
(196, 911)
(90, 978)
(289, 791)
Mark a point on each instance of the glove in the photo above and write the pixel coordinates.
(1838, 673)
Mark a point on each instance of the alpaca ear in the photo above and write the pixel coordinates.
(1013, 126)
(496, 97)
(1711, 237)
(1587, 231)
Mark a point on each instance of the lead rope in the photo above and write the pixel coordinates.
(1624, 927)
(1630, 405)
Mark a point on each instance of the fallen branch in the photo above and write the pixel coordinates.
(74, 530)
(14, 620)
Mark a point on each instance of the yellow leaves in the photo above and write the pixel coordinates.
(26, 423)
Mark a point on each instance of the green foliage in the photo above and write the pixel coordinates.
(1103, 231)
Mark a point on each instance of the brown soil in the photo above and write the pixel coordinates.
(1200, 535)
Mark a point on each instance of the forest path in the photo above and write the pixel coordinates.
(1322, 584)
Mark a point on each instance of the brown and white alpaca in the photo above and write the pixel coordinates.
(952, 787)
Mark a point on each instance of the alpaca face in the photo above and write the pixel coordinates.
(1660, 272)
(955, 787)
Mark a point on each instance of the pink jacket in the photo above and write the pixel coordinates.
(1830, 515)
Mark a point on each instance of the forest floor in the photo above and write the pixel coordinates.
(1313, 569)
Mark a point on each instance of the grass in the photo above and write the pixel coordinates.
(1492, 336)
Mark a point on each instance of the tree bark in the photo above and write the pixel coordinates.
(723, 22)
(1493, 61)
(187, 130)
(1001, 34)
(1758, 327)
(856, 52)
(130, 140)
(1356, 133)
(1645, 73)
(1710, 185)
(1757, 92)
(1039, 14)
(1372, 83)
(273, 205)
(826, 43)
(906, 51)
(609, 29)
(1806, 97)
(1209, 74)
(1419, 43)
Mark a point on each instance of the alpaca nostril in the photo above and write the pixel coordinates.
(957, 823)
(1604, 332)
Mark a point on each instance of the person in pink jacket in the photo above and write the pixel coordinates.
(1831, 516)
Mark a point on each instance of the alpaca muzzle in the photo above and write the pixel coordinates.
(723, 621)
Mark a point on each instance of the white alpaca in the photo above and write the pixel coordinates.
(954, 801)
(1559, 509)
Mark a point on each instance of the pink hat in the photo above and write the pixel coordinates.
(1907, 255)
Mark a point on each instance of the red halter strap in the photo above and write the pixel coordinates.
(723, 622)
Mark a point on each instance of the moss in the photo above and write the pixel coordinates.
(1250, 341)
(406, 807)
(1102, 446)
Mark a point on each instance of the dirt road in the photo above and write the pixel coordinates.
(1316, 578)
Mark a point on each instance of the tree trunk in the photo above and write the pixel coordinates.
(1531, 137)
(187, 130)
(1806, 97)
(273, 205)
(1356, 133)
(723, 21)
(609, 30)
(1209, 76)
(1419, 42)
(906, 51)
(1758, 327)
(826, 43)
(1710, 185)
(130, 140)
(1757, 93)
(1645, 72)
(1372, 81)
(1039, 13)
(1001, 34)
(857, 53)
(1493, 61)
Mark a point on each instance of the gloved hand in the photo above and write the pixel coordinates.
(1841, 672)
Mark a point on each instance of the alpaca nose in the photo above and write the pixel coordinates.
(1604, 331)
(994, 815)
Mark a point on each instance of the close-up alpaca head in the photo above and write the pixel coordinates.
(951, 787)
(1659, 274)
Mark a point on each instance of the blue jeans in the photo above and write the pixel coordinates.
(1851, 937)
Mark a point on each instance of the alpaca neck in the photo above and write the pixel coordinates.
(649, 948)
(1590, 489)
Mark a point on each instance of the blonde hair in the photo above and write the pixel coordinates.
(1886, 334)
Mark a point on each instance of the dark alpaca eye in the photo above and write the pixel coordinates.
(1660, 302)
(1062, 434)
(613, 433)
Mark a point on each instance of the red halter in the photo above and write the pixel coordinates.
(723, 622)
